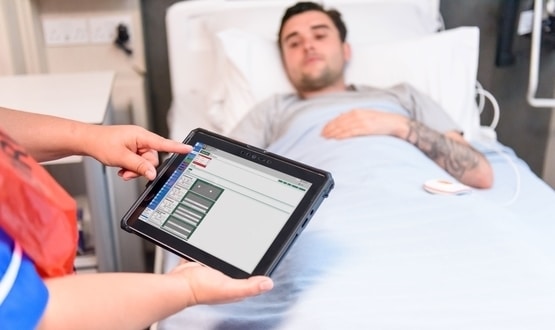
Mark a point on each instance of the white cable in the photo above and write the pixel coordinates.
(518, 178)
(491, 98)
(490, 144)
(481, 97)
(440, 22)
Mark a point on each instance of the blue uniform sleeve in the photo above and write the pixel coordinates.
(23, 294)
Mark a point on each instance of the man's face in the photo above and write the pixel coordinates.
(312, 52)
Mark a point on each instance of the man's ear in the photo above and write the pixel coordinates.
(347, 51)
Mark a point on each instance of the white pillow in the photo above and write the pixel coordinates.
(369, 21)
(443, 65)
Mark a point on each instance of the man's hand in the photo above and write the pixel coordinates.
(449, 150)
(361, 122)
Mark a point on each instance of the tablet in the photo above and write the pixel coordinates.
(228, 205)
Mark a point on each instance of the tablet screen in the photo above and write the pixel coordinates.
(228, 205)
(214, 199)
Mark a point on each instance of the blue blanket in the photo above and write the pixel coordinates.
(382, 253)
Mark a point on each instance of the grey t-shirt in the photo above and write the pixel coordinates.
(270, 119)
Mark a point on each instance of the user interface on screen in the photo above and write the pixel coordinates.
(225, 205)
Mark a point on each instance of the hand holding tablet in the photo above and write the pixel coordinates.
(228, 205)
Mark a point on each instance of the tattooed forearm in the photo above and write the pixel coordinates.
(454, 157)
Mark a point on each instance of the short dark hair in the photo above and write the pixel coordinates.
(301, 7)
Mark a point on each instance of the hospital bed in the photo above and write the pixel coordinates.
(381, 253)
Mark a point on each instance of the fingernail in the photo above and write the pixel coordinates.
(151, 174)
(266, 285)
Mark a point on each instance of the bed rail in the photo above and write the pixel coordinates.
(535, 60)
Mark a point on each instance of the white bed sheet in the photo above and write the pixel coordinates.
(381, 253)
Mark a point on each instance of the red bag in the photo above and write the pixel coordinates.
(36, 211)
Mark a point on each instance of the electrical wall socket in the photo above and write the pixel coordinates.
(65, 31)
(79, 31)
(103, 29)
(525, 22)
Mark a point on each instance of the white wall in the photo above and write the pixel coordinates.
(23, 49)
(8, 63)
(21, 45)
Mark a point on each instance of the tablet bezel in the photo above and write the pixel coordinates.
(321, 184)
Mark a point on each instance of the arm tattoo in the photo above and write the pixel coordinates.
(454, 157)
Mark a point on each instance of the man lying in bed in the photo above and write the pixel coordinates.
(314, 52)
